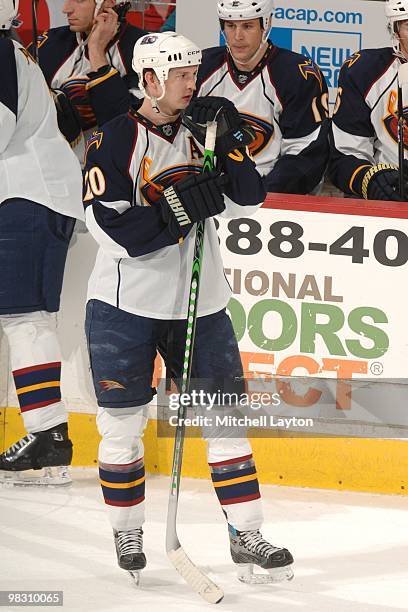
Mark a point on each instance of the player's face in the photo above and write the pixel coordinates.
(403, 36)
(180, 86)
(244, 38)
(80, 14)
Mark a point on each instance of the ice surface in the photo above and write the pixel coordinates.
(350, 549)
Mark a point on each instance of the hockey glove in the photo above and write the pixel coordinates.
(232, 131)
(192, 199)
(381, 182)
(68, 119)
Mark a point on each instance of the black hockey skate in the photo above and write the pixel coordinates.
(49, 450)
(129, 549)
(249, 548)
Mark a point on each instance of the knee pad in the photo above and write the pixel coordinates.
(121, 430)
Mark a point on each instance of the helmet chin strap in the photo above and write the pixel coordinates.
(155, 104)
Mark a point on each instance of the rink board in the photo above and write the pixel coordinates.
(356, 280)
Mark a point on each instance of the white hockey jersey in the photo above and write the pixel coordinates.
(36, 163)
(140, 267)
(285, 100)
(365, 123)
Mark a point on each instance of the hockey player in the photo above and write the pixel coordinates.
(144, 192)
(282, 94)
(364, 153)
(88, 64)
(40, 197)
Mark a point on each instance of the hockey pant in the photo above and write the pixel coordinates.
(35, 358)
(122, 472)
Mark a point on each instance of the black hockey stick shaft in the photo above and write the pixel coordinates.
(401, 146)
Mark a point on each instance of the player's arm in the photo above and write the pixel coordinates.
(245, 187)
(110, 93)
(352, 166)
(8, 92)
(122, 226)
(304, 126)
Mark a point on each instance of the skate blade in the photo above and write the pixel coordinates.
(46, 477)
(276, 574)
(134, 577)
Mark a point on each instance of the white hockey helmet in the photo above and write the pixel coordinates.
(243, 10)
(395, 11)
(161, 52)
(8, 12)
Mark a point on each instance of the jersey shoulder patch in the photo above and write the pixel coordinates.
(364, 67)
(289, 69)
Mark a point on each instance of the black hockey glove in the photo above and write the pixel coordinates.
(381, 182)
(192, 199)
(68, 119)
(232, 131)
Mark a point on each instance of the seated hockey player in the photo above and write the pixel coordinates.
(40, 197)
(136, 168)
(282, 95)
(364, 135)
(88, 64)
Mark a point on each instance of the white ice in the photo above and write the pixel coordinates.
(350, 549)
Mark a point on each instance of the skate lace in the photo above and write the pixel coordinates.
(130, 542)
(17, 446)
(255, 543)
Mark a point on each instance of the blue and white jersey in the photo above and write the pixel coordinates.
(140, 267)
(365, 122)
(36, 162)
(285, 99)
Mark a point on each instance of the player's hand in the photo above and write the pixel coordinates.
(381, 182)
(104, 30)
(232, 131)
(194, 198)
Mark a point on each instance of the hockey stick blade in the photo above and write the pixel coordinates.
(198, 581)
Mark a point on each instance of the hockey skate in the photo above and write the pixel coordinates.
(49, 451)
(129, 549)
(249, 548)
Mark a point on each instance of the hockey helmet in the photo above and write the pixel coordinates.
(8, 12)
(243, 10)
(396, 11)
(161, 52)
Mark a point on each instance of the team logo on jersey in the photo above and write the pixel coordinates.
(76, 92)
(263, 133)
(391, 119)
(110, 385)
(308, 68)
(350, 61)
(152, 186)
(94, 141)
(167, 130)
(41, 39)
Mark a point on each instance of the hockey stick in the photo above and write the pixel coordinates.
(402, 80)
(199, 582)
(35, 29)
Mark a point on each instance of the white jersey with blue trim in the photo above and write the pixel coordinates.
(36, 162)
(140, 267)
(284, 98)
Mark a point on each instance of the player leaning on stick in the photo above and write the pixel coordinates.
(282, 94)
(364, 156)
(138, 291)
(40, 194)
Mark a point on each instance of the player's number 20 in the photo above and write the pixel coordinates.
(95, 183)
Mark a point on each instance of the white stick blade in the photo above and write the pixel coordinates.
(199, 582)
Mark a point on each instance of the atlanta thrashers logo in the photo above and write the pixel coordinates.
(263, 130)
(152, 186)
(391, 119)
